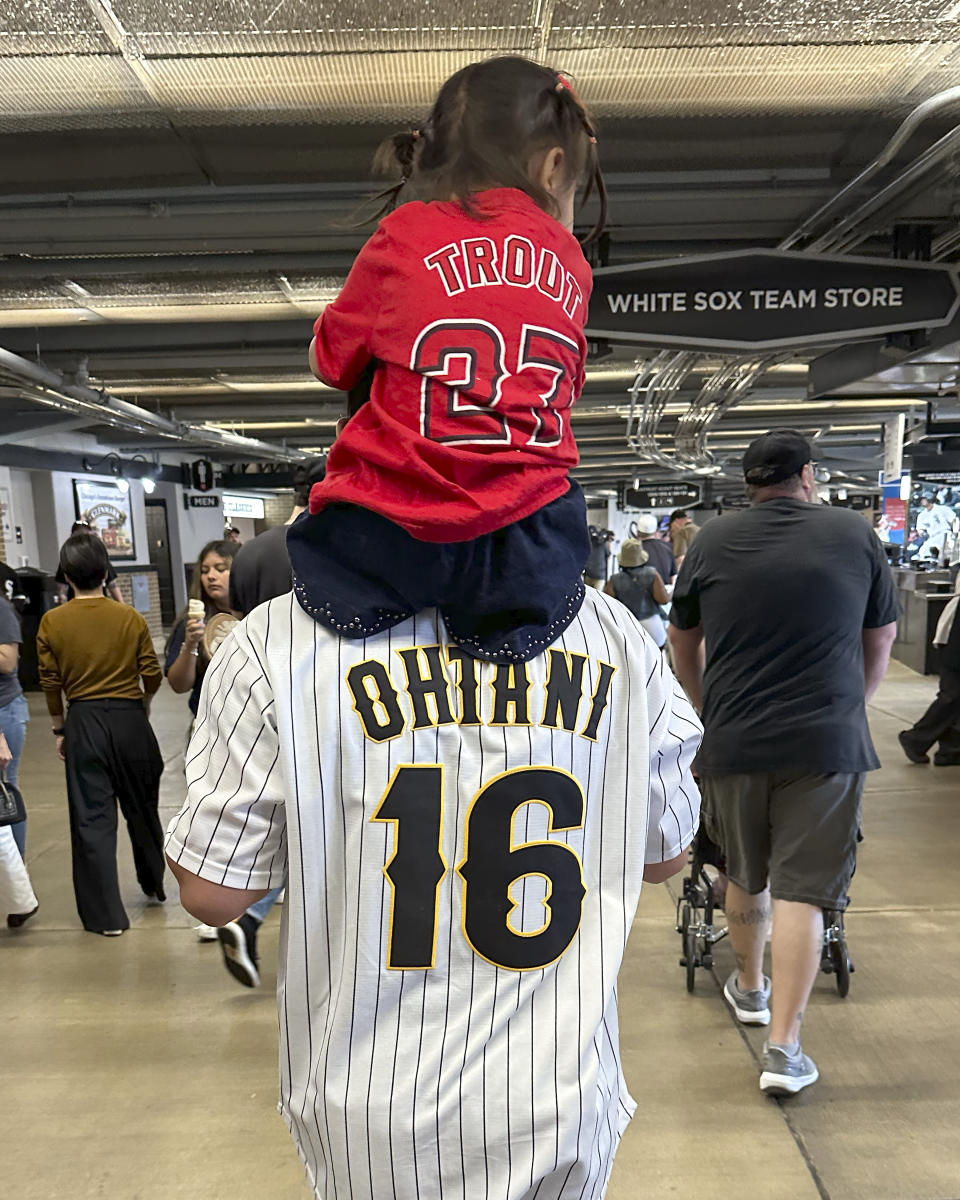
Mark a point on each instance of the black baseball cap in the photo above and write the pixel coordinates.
(776, 456)
(309, 472)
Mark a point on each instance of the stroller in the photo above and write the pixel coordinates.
(697, 906)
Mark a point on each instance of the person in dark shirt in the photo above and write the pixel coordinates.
(795, 604)
(261, 569)
(10, 587)
(186, 660)
(659, 554)
(941, 722)
(601, 549)
(640, 588)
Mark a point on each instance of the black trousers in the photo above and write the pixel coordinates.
(941, 722)
(112, 755)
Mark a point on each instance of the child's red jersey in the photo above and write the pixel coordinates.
(476, 323)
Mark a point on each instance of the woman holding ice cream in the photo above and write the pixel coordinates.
(187, 660)
(187, 656)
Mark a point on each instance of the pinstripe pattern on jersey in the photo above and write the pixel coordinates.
(467, 1080)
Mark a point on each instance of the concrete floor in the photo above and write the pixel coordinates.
(135, 1069)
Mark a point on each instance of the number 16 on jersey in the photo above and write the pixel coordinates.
(492, 864)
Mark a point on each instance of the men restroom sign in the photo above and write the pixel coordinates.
(767, 299)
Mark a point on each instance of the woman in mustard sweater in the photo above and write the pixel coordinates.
(98, 655)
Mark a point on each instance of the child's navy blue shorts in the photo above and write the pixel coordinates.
(505, 596)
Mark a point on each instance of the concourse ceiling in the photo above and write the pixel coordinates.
(179, 181)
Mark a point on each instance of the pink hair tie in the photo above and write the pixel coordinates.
(564, 85)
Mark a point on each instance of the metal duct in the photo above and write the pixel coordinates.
(652, 390)
(52, 390)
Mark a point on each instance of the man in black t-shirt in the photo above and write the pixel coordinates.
(10, 588)
(659, 554)
(261, 569)
(796, 606)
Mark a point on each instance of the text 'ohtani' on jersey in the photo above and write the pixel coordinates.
(429, 696)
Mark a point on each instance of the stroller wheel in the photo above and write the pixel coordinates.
(838, 961)
(841, 967)
(690, 954)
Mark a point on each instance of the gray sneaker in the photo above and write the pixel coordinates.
(751, 1008)
(783, 1075)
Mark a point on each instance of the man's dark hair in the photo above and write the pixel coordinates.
(305, 475)
(84, 561)
(785, 487)
(678, 514)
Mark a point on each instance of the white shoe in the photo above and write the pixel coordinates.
(206, 933)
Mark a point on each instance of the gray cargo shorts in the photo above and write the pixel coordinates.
(797, 832)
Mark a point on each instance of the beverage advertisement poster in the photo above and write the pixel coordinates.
(106, 507)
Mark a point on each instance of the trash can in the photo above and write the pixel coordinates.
(39, 592)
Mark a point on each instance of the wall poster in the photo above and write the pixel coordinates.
(106, 507)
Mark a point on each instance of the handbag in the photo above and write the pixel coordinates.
(12, 808)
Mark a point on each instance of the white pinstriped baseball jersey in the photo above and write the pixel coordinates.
(464, 845)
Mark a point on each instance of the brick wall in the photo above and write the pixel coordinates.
(153, 619)
(276, 510)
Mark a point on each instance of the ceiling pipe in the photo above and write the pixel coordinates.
(841, 237)
(907, 128)
(56, 392)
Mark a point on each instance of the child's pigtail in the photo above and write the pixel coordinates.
(595, 181)
(397, 151)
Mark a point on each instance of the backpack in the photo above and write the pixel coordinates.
(633, 586)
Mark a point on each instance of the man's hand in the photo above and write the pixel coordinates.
(6, 758)
(60, 751)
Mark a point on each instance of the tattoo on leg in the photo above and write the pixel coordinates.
(748, 916)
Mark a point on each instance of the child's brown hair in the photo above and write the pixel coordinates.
(488, 122)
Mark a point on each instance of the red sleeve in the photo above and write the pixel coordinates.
(343, 334)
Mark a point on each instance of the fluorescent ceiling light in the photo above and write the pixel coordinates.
(274, 385)
(293, 423)
(218, 386)
(891, 402)
(737, 433)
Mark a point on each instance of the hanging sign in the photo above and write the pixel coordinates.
(243, 506)
(663, 495)
(204, 501)
(201, 474)
(768, 299)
